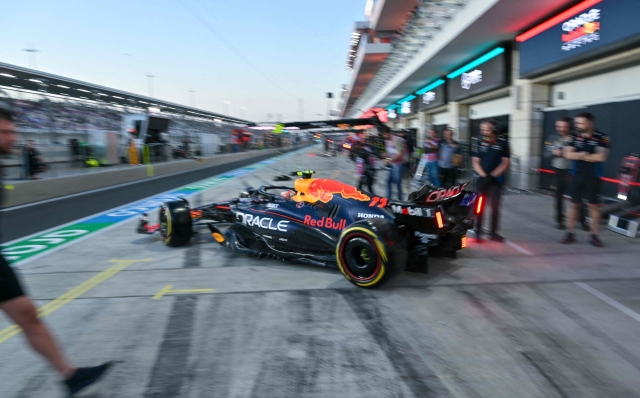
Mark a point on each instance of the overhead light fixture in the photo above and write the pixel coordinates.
(61, 86)
(556, 20)
(84, 91)
(431, 86)
(7, 75)
(35, 80)
(115, 96)
(143, 102)
(492, 54)
(105, 95)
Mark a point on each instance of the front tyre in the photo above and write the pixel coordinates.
(371, 252)
(175, 223)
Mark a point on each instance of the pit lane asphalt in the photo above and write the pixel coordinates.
(495, 322)
(26, 220)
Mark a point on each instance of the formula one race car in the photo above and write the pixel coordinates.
(329, 223)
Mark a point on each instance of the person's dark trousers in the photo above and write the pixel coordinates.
(491, 193)
(561, 182)
(448, 176)
(366, 178)
(561, 189)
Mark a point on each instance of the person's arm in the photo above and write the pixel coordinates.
(601, 155)
(504, 165)
(570, 153)
(477, 167)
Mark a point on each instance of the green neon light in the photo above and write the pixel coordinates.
(431, 86)
(406, 99)
(477, 62)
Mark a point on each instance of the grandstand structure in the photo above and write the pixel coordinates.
(14, 78)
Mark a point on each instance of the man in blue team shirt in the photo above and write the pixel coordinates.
(588, 149)
(491, 157)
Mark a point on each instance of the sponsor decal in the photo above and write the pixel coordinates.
(325, 222)
(425, 238)
(444, 194)
(365, 215)
(299, 205)
(272, 206)
(411, 211)
(581, 30)
(21, 250)
(262, 222)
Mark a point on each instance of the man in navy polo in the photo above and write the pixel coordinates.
(588, 149)
(491, 157)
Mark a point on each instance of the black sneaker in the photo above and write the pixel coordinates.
(84, 377)
(586, 227)
(497, 238)
(595, 241)
(568, 238)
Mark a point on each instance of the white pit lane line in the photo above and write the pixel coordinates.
(519, 248)
(622, 308)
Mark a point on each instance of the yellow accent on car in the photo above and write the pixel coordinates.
(218, 237)
(381, 250)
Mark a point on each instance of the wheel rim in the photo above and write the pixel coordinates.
(361, 258)
(163, 223)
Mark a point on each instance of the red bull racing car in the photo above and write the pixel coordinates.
(329, 223)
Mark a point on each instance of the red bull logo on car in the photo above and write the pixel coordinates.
(321, 189)
(325, 223)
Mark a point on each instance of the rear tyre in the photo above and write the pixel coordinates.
(175, 223)
(371, 252)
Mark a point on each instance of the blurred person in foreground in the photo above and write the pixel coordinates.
(490, 159)
(21, 310)
(397, 155)
(588, 149)
(561, 166)
(431, 147)
(365, 164)
(448, 154)
(35, 161)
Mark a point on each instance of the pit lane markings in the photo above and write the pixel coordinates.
(620, 307)
(73, 294)
(519, 248)
(168, 289)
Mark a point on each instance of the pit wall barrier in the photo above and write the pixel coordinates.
(24, 192)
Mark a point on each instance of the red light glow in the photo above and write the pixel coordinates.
(479, 207)
(556, 20)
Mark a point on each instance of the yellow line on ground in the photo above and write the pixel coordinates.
(162, 292)
(167, 289)
(72, 294)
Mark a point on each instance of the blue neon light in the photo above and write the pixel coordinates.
(406, 99)
(430, 87)
(477, 62)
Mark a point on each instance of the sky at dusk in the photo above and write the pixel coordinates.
(260, 55)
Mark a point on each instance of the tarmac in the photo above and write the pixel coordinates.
(527, 318)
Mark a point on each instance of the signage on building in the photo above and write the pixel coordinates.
(405, 108)
(391, 113)
(490, 75)
(583, 32)
(433, 98)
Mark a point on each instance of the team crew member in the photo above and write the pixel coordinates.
(431, 147)
(561, 167)
(20, 309)
(491, 156)
(396, 157)
(588, 149)
(449, 150)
